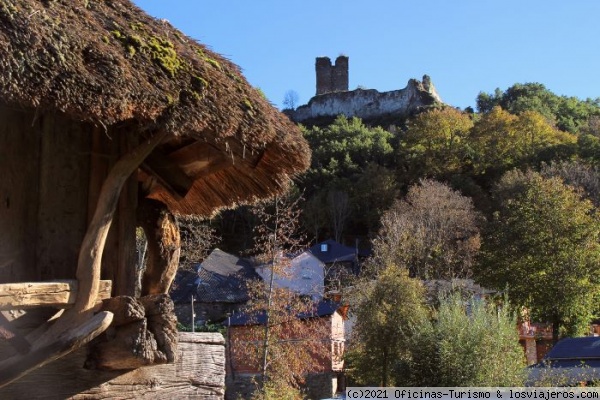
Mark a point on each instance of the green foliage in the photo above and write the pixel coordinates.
(502, 140)
(389, 311)
(436, 143)
(345, 148)
(202, 328)
(343, 153)
(543, 248)
(469, 343)
(569, 113)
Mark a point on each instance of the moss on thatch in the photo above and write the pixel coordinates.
(107, 62)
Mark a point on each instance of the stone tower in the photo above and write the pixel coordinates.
(332, 78)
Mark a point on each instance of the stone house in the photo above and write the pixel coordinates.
(218, 286)
(303, 274)
(325, 380)
(340, 262)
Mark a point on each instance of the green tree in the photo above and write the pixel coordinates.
(342, 154)
(569, 114)
(375, 190)
(502, 140)
(343, 149)
(389, 311)
(435, 143)
(542, 247)
(468, 343)
(433, 232)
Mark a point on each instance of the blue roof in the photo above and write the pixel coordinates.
(575, 348)
(323, 308)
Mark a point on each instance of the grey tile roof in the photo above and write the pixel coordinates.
(335, 252)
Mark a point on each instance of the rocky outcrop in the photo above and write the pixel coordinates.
(370, 104)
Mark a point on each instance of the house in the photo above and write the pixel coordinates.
(303, 274)
(323, 324)
(219, 288)
(340, 262)
(112, 121)
(571, 362)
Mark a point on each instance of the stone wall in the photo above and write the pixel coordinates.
(331, 78)
(370, 104)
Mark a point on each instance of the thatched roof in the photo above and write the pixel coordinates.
(110, 64)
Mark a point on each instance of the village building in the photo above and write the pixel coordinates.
(325, 380)
(112, 121)
(217, 288)
(340, 263)
(303, 274)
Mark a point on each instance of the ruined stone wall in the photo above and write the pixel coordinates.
(368, 104)
(331, 78)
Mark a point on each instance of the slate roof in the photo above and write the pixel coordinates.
(220, 278)
(580, 348)
(323, 308)
(184, 286)
(336, 252)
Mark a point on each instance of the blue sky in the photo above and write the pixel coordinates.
(466, 46)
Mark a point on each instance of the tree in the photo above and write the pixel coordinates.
(569, 114)
(375, 190)
(290, 100)
(577, 174)
(344, 149)
(338, 208)
(389, 311)
(502, 140)
(435, 143)
(542, 247)
(468, 343)
(197, 240)
(433, 232)
(283, 346)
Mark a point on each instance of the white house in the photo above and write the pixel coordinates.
(304, 274)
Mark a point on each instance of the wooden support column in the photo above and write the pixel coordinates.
(164, 244)
(77, 326)
(125, 280)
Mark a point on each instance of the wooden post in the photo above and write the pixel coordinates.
(77, 325)
(164, 243)
(125, 280)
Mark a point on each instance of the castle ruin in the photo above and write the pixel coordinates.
(333, 97)
(331, 78)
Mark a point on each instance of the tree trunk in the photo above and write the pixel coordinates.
(164, 246)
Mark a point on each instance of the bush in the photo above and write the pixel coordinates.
(469, 344)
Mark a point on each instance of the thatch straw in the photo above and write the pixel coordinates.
(107, 62)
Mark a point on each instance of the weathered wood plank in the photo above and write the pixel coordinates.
(63, 194)
(19, 195)
(168, 173)
(17, 366)
(199, 373)
(61, 294)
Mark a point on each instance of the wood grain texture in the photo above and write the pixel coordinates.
(198, 373)
(59, 294)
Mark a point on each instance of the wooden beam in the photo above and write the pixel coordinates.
(168, 173)
(15, 367)
(14, 338)
(59, 294)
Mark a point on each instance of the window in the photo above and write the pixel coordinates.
(324, 247)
